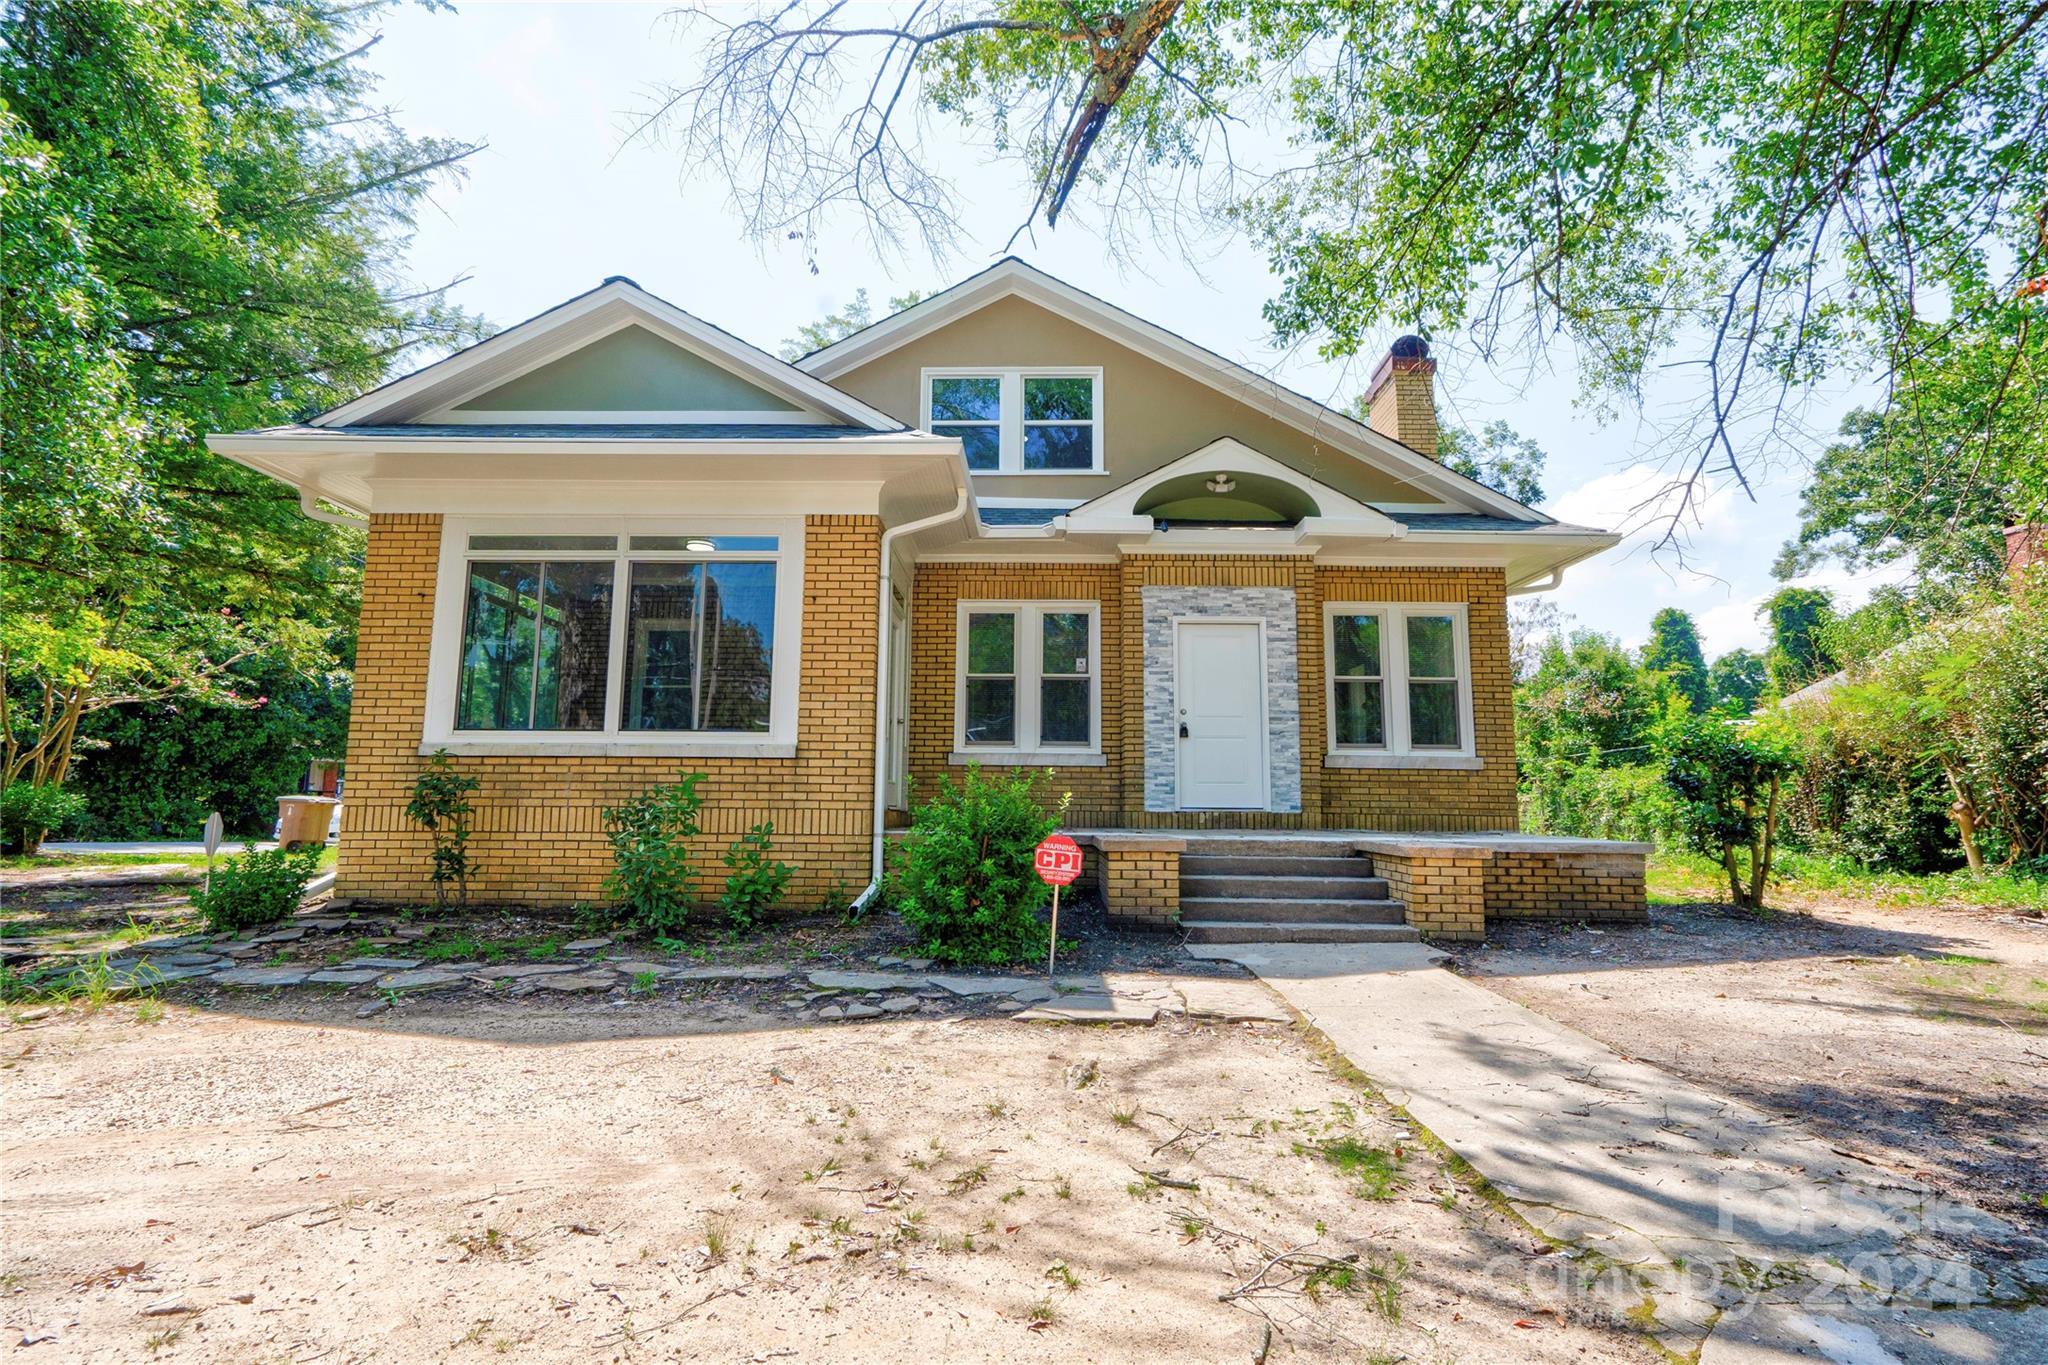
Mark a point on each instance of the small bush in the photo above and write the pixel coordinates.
(256, 888)
(650, 876)
(757, 880)
(963, 880)
(29, 812)
(440, 805)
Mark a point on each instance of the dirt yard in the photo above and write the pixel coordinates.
(1917, 1038)
(468, 1179)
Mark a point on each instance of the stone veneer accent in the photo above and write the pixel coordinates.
(1276, 607)
(539, 835)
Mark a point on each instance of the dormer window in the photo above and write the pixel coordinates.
(1019, 421)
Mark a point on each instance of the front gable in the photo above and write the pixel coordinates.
(615, 355)
(1162, 396)
(624, 375)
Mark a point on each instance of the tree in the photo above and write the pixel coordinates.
(1736, 679)
(202, 213)
(859, 313)
(1767, 193)
(1498, 456)
(1674, 650)
(1799, 620)
(1728, 781)
(1533, 622)
(1584, 722)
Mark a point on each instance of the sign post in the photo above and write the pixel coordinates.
(214, 830)
(1058, 862)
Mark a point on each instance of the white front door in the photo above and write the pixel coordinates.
(1221, 714)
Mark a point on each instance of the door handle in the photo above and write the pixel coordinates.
(1183, 729)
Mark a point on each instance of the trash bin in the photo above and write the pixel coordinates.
(303, 820)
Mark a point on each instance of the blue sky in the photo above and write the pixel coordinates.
(560, 199)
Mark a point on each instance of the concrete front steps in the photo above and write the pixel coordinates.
(1284, 888)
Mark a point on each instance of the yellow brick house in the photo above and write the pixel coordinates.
(1012, 525)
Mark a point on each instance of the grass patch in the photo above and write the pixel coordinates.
(1677, 877)
(1377, 1170)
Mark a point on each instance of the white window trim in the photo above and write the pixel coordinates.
(1026, 749)
(1010, 418)
(1398, 752)
(444, 657)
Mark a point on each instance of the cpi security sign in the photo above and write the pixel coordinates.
(1058, 861)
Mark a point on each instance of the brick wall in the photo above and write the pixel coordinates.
(539, 836)
(1575, 886)
(1444, 890)
(1114, 794)
(1426, 798)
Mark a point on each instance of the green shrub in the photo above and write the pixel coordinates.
(650, 876)
(1727, 778)
(963, 879)
(757, 880)
(28, 812)
(259, 887)
(1627, 802)
(440, 805)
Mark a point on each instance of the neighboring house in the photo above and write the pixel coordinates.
(1012, 525)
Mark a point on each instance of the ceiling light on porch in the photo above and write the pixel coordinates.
(1221, 483)
(697, 545)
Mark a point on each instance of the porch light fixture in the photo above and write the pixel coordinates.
(1221, 483)
(697, 545)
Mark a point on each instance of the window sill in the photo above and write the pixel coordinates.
(1462, 763)
(1031, 473)
(689, 748)
(1016, 758)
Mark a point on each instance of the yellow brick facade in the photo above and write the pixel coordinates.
(539, 837)
(1113, 795)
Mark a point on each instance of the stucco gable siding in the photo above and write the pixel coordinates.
(629, 370)
(1152, 414)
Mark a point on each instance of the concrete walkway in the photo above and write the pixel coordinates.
(1740, 1236)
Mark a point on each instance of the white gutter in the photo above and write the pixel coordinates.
(307, 502)
(889, 538)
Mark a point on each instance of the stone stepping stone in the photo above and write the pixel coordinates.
(863, 1012)
(190, 960)
(1094, 1009)
(768, 971)
(586, 945)
(344, 976)
(511, 972)
(165, 945)
(1024, 988)
(241, 950)
(916, 964)
(900, 1004)
(324, 924)
(389, 964)
(864, 981)
(832, 1012)
(262, 976)
(418, 980)
(658, 969)
(572, 982)
(280, 936)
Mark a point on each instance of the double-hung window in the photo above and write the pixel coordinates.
(1029, 679)
(640, 635)
(1400, 683)
(1019, 421)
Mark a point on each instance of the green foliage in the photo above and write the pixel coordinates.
(1736, 679)
(1592, 801)
(259, 887)
(1674, 651)
(650, 876)
(440, 805)
(757, 880)
(1800, 619)
(858, 314)
(1588, 706)
(1726, 780)
(1499, 456)
(963, 878)
(208, 199)
(30, 812)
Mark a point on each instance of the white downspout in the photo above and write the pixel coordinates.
(307, 499)
(889, 538)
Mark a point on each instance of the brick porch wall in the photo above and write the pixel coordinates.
(539, 836)
(1575, 886)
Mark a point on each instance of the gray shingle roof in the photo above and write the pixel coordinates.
(1468, 521)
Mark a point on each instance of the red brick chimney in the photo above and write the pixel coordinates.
(1401, 400)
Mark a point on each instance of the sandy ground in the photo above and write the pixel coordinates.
(470, 1179)
(1915, 1038)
